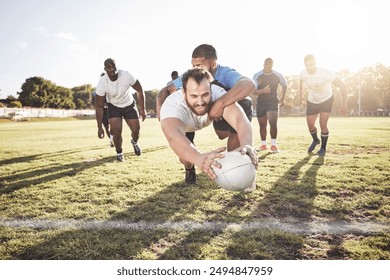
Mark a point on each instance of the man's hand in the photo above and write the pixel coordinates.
(216, 111)
(142, 114)
(251, 152)
(100, 133)
(208, 160)
(344, 110)
(266, 90)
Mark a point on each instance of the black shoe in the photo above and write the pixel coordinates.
(313, 146)
(120, 157)
(191, 175)
(137, 149)
(321, 152)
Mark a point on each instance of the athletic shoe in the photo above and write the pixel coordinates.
(120, 157)
(321, 152)
(313, 146)
(251, 188)
(274, 149)
(263, 148)
(190, 175)
(137, 149)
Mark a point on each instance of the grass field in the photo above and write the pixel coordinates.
(64, 196)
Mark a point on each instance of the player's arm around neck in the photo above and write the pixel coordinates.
(243, 88)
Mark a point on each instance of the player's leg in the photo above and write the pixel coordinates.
(106, 125)
(325, 110)
(273, 120)
(263, 120)
(261, 113)
(312, 113)
(324, 117)
(116, 129)
(132, 119)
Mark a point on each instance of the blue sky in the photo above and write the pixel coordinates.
(67, 41)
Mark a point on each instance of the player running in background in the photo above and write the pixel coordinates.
(114, 87)
(320, 100)
(267, 106)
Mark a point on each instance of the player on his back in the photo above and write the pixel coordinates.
(188, 110)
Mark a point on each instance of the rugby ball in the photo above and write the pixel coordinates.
(237, 172)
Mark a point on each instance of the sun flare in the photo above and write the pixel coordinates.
(343, 29)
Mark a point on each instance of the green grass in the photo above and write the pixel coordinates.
(59, 171)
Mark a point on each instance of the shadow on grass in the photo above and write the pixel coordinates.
(289, 197)
(162, 206)
(46, 172)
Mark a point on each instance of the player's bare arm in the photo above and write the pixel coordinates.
(162, 95)
(99, 107)
(235, 116)
(243, 88)
(173, 130)
(141, 98)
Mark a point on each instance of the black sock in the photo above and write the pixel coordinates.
(324, 140)
(119, 151)
(314, 135)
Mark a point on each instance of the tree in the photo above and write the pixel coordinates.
(150, 96)
(38, 92)
(82, 96)
(15, 104)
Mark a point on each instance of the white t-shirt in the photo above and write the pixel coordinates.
(319, 85)
(118, 92)
(176, 107)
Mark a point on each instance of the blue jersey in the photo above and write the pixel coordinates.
(225, 76)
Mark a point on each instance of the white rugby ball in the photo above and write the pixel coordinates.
(237, 172)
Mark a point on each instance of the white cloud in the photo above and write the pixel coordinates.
(66, 36)
(41, 30)
(22, 45)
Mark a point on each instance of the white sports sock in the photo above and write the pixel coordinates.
(264, 142)
(273, 142)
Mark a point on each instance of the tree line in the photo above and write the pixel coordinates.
(370, 86)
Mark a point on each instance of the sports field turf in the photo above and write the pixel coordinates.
(64, 196)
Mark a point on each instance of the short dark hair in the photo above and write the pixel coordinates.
(109, 61)
(206, 51)
(174, 74)
(197, 74)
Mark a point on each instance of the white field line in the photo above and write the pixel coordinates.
(296, 227)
